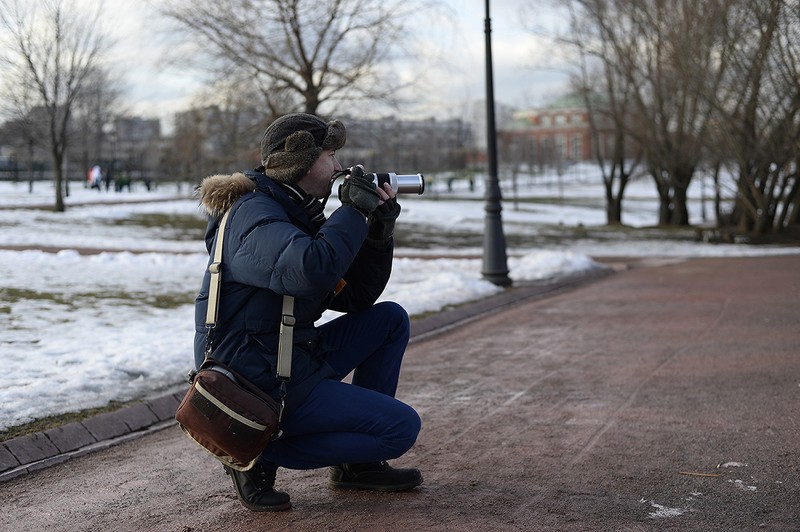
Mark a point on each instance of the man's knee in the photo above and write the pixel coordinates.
(405, 432)
(395, 314)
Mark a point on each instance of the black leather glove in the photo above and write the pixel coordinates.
(359, 191)
(381, 222)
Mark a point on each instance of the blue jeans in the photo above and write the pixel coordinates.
(359, 422)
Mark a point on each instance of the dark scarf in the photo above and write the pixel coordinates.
(312, 206)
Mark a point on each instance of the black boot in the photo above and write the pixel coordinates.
(256, 488)
(376, 476)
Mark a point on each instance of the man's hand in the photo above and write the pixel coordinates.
(359, 191)
(381, 221)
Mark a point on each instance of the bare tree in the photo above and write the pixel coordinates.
(667, 56)
(301, 54)
(216, 134)
(93, 112)
(607, 94)
(685, 60)
(24, 129)
(52, 46)
(759, 115)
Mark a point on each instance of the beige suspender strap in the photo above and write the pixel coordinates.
(286, 339)
(216, 275)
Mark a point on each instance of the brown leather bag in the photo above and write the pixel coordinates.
(228, 416)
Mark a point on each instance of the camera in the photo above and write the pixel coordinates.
(400, 183)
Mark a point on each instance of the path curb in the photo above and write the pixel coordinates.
(32, 452)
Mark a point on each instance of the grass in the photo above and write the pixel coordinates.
(51, 422)
(14, 295)
(420, 236)
(179, 227)
(84, 299)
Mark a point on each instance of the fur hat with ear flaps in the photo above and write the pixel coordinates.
(293, 142)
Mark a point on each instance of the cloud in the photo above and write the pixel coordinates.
(447, 75)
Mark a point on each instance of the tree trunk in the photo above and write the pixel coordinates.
(614, 202)
(30, 166)
(614, 211)
(680, 211)
(58, 180)
(793, 201)
(664, 202)
(664, 211)
(58, 177)
(794, 198)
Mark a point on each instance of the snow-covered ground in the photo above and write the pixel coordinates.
(81, 330)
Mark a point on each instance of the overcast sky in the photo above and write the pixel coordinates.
(524, 71)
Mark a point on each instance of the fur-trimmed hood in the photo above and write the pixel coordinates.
(218, 193)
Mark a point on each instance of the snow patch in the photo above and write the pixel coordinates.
(662, 512)
(733, 464)
(742, 486)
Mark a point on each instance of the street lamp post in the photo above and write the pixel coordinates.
(495, 267)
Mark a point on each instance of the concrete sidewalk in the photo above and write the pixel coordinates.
(662, 397)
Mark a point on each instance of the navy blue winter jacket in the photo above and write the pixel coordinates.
(270, 249)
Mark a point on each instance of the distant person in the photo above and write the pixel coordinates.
(279, 241)
(95, 177)
(122, 181)
(108, 178)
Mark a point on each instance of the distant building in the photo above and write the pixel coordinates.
(503, 118)
(556, 134)
(135, 146)
(390, 144)
(215, 140)
(20, 144)
(125, 144)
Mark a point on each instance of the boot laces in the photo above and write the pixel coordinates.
(263, 477)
